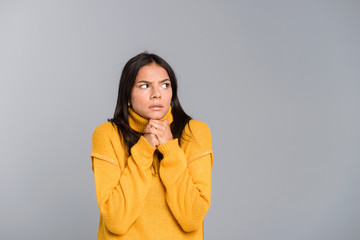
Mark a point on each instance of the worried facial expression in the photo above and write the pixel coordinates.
(151, 93)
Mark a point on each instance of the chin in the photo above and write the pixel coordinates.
(156, 115)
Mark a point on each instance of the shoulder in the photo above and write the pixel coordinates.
(196, 139)
(106, 144)
(198, 133)
(106, 140)
(197, 129)
(105, 130)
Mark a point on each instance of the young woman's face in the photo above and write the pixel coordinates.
(151, 93)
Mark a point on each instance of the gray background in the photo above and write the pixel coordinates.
(277, 82)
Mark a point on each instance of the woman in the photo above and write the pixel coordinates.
(152, 163)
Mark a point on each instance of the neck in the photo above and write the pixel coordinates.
(138, 123)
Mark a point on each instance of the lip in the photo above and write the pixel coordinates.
(156, 107)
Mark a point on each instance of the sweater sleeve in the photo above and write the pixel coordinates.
(120, 193)
(188, 181)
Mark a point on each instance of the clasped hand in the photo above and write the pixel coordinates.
(157, 132)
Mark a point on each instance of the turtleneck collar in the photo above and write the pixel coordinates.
(138, 123)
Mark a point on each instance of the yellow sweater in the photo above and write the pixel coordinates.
(142, 198)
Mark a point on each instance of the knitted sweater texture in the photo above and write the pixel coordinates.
(140, 197)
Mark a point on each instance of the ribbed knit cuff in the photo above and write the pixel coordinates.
(169, 148)
(144, 147)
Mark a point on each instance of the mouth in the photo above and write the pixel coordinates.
(156, 107)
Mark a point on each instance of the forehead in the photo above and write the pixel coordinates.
(152, 72)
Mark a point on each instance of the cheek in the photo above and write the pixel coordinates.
(170, 95)
(138, 97)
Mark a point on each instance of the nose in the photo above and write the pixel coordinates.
(155, 93)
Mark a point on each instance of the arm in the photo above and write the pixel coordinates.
(121, 194)
(188, 181)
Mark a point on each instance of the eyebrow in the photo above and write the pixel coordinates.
(147, 82)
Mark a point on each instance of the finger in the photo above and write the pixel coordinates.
(155, 140)
(154, 123)
(151, 131)
(158, 123)
(162, 122)
(159, 128)
(151, 140)
(146, 130)
(147, 127)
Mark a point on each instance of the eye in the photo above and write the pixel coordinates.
(144, 85)
(165, 85)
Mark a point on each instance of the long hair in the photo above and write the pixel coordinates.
(121, 116)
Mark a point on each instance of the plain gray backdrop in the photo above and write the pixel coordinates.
(277, 82)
